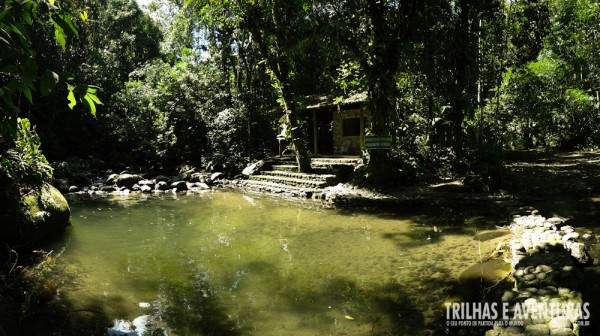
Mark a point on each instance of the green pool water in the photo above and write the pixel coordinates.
(223, 263)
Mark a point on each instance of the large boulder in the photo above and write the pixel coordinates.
(149, 183)
(162, 185)
(179, 185)
(214, 177)
(108, 188)
(253, 168)
(37, 215)
(112, 178)
(162, 178)
(183, 176)
(127, 180)
(196, 177)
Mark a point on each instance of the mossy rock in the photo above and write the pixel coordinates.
(476, 278)
(490, 271)
(36, 215)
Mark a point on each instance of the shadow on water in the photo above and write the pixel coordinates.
(383, 310)
(590, 290)
(192, 308)
(188, 309)
(435, 223)
(42, 312)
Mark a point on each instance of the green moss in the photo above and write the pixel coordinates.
(53, 200)
(490, 271)
(31, 207)
(37, 215)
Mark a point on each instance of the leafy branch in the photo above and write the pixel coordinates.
(20, 74)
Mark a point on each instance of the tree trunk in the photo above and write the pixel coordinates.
(269, 42)
(380, 75)
(378, 167)
(291, 118)
(465, 65)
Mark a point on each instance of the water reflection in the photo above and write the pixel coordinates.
(224, 264)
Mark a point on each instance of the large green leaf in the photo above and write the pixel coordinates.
(90, 104)
(11, 68)
(61, 38)
(28, 13)
(4, 13)
(27, 93)
(71, 97)
(21, 32)
(48, 81)
(72, 27)
(64, 22)
(28, 74)
(91, 100)
(91, 93)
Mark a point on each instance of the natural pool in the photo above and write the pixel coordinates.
(223, 263)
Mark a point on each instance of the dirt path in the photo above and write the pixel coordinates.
(566, 184)
(542, 174)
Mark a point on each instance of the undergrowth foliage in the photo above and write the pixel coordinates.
(24, 163)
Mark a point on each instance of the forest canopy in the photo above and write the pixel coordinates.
(209, 83)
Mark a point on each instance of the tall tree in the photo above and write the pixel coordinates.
(279, 29)
(288, 39)
(375, 34)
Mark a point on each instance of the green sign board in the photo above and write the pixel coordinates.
(378, 142)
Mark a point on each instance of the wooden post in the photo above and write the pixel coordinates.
(314, 118)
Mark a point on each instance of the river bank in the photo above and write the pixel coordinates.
(449, 208)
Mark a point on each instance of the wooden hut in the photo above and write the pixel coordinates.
(336, 126)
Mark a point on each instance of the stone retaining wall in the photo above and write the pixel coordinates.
(546, 255)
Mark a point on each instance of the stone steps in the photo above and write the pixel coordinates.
(329, 178)
(332, 162)
(318, 163)
(279, 188)
(282, 177)
(290, 181)
(285, 167)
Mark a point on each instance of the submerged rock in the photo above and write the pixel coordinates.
(489, 235)
(490, 271)
(137, 327)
